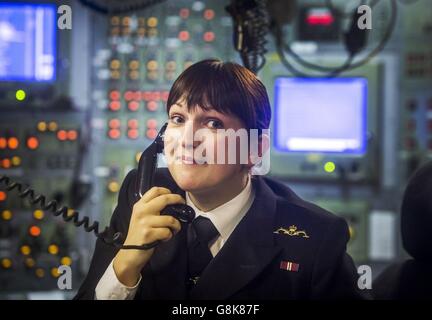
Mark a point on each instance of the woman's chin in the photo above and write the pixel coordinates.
(187, 180)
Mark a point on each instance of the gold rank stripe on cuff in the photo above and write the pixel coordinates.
(289, 266)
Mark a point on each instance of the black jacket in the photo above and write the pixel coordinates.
(253, 262)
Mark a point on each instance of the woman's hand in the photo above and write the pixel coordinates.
(146, 226)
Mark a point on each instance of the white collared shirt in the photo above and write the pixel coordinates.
(225, 218)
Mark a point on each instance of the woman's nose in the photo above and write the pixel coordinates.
(187, 138)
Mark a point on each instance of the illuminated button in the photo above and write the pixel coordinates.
(151, 134)
(20, 95)
(3, 196)
(115, 31)
(52, 126)
(114, 95)
(38, 214)
(114, 105)
(40, 273)
(134, 64)
(133, 106)
(25, 250)
(141, 32)
(184, 13)
(6, 215)
(138, 156)
(115, 74)
(55, 272)
(62, 135)
(32, 143)
(34, 231)
(137, 95)
(132, 123)
(152, 65)
(128, 95)
(67, 261)
(113, 186)
(152, 22)
(6, 163)
(115, 20)
(170, 65)
(169, 75)
(184, 35)
(209, 14)
(29, 262)
(114, 123)
(16, 161)
(126, 21)
(3, 143)
(146, 95)
(53, 249)
(72, 135)
(13, 143)
(114, 134)
(329, 167)
(152, 106)
(133, 134)
(134, 75)
(155, 95)
(115, 64)
(6, 263)
(187, 64)
(164, 95)
(126, 31)
(42, 126)
(209, 36)
(152, 32)
(151, 123)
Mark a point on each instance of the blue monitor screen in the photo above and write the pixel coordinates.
(27, 42)
(320, 115)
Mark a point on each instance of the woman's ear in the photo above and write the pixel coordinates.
(263, 148)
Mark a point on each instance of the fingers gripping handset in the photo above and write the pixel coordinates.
(157, 211)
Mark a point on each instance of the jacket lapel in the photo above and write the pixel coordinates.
(169, 261)
(169, 266)
(249, 249)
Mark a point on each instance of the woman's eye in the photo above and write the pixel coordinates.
(215, 124)
(176, 119)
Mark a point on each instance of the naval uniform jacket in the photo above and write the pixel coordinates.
(283, 248)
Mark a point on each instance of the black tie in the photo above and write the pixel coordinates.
(202, 232)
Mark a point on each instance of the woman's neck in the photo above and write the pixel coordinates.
(207, 200)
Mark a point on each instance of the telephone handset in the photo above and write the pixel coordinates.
(146, 169)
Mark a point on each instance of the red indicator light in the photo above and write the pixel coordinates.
(183, 35)
(32, 143)
(35, 231)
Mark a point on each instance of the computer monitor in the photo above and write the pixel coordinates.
(27, 42)
(322, 115)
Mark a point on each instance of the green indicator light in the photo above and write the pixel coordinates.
(20, 95)
(329, 167)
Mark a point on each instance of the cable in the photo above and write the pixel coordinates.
(105, 236)
(348, 65)
(250, 29)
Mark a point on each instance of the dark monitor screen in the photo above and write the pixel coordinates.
(320, 115)
(27, 42)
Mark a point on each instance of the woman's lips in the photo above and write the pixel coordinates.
(188, 160)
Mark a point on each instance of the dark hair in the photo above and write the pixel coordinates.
(226, 87)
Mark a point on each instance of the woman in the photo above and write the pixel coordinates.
(252, 238)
